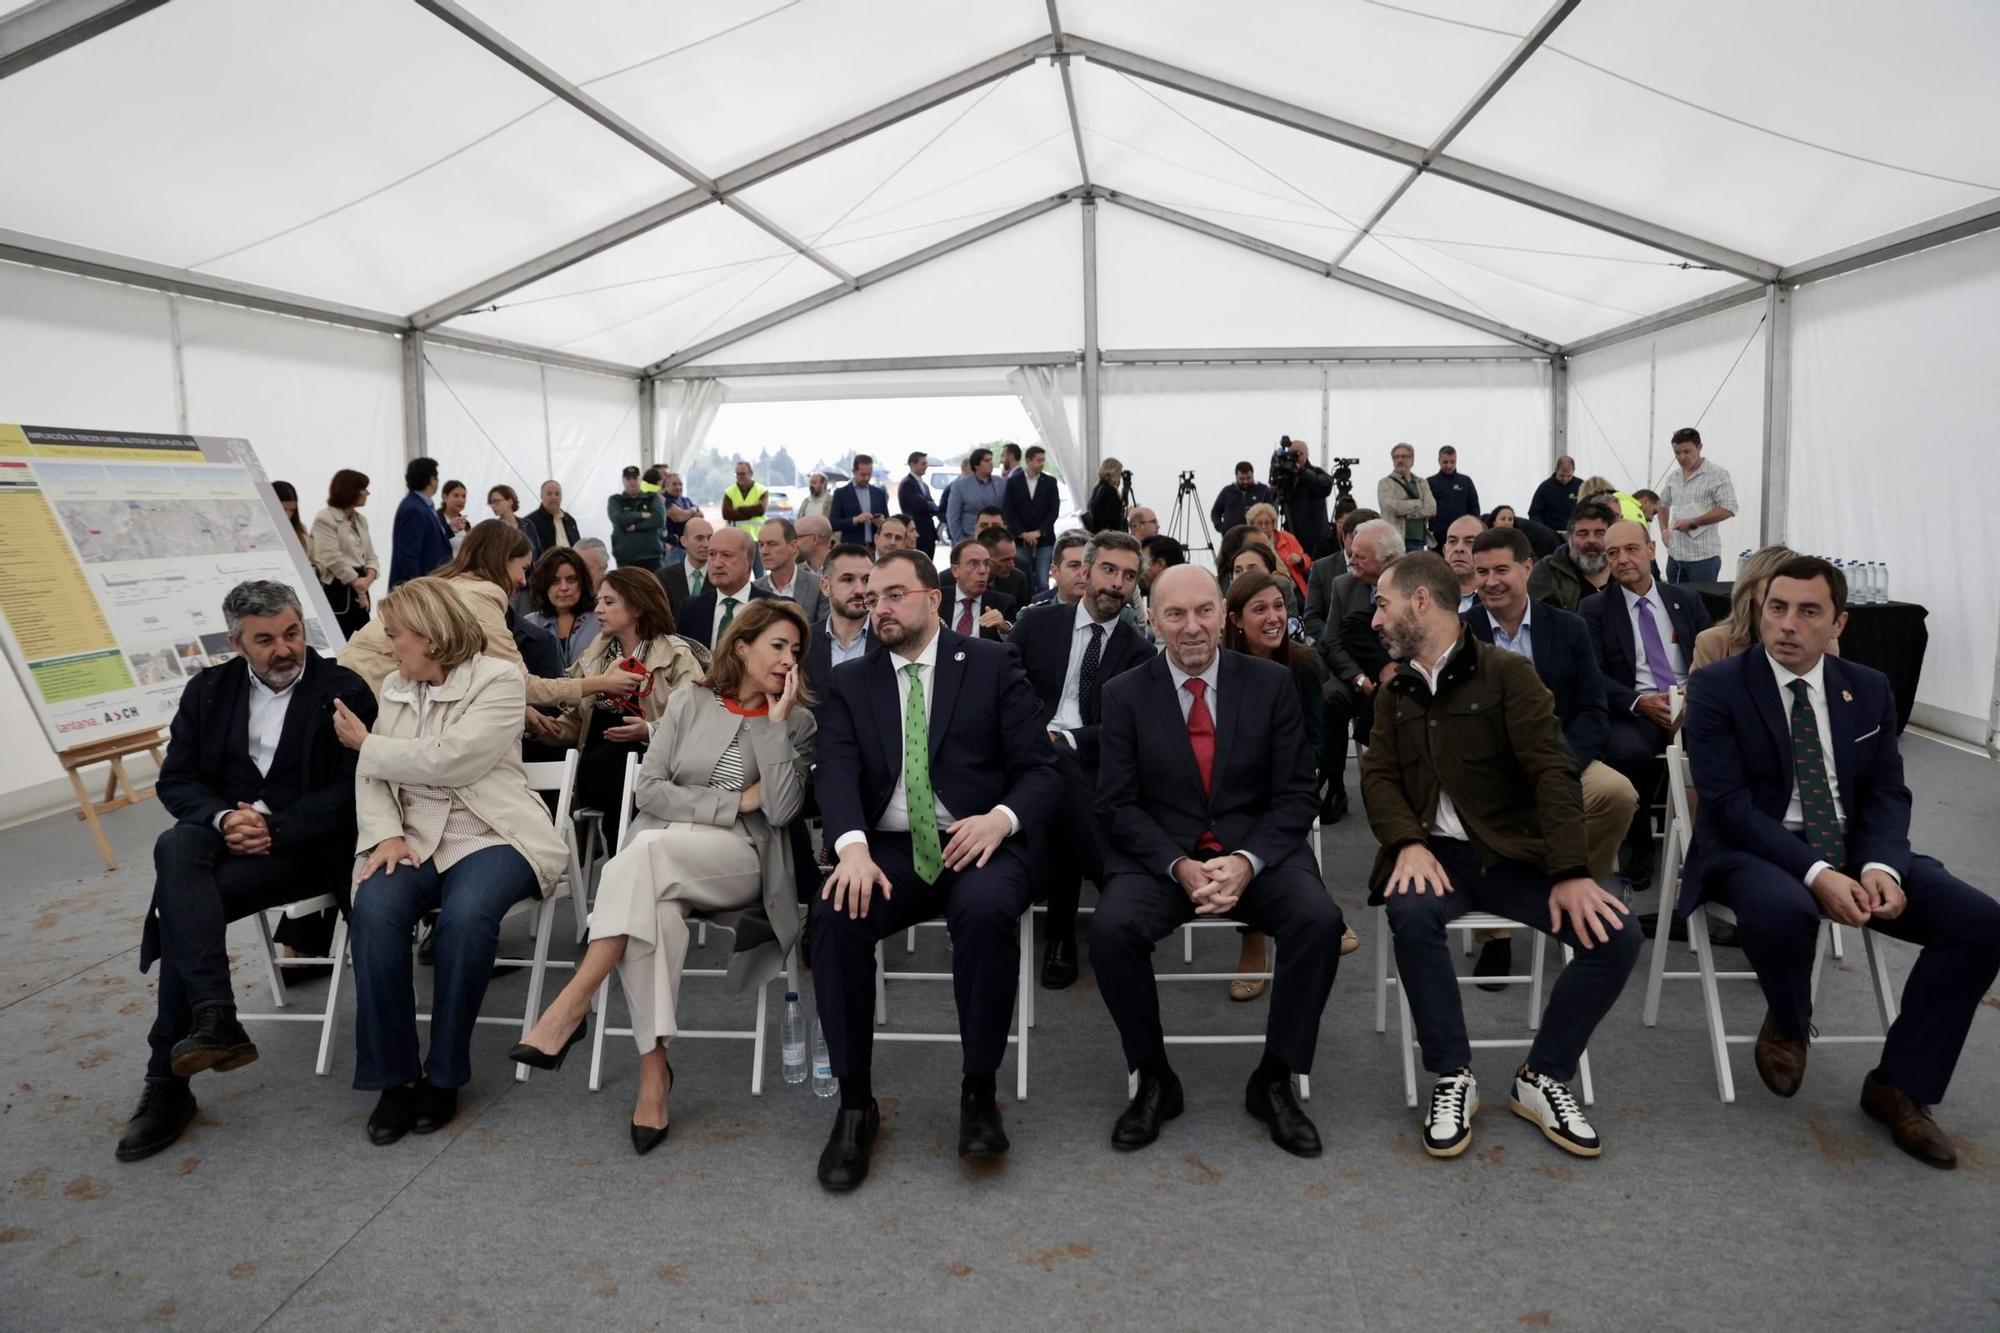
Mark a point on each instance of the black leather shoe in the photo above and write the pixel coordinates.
(1273, 1101)
(434, 1109)
(1059, 965)
(165, 1108)
(536, 1058)
(843, 1163)
(1333, 807)
(217, 1042)
(645, 1138)
(1158, 1099)
(394, 1111)
(1496, 959)
(980, 1133)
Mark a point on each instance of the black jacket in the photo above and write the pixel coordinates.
(695, 617)
(1043, 641)
(819, 658)
(1107, 510)
(1305, 508)
(1567, 664)
(1040, 514)
(1611, 635)
(545, 528)
(991, 600)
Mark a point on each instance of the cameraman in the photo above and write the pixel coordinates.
(1302, 490)
(1233, 502)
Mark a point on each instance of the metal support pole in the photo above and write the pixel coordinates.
(180, 364)
(1326, 417)
(1093, 444)
(649, 422)
(1558, 409)
(415, 432)
(548, 432)
(1777, 414)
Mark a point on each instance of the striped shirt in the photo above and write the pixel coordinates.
(1691, 497)
(730, 773)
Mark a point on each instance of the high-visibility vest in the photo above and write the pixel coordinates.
(753, 526)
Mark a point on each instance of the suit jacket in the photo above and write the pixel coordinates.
(1264, 794)
(915, 500)
(1738, 736)
(1043, 640)
(1346, 595)
(805, 591)
(418, 542)
(1041, 514)
(1611, 636)
(1567, 664)
(986, 747)
(696, 617)
(674, 579)
(1014, 585)
(819, 657)
(847, 509)
(998, 601)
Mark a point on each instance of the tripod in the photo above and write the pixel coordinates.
(1187, 519)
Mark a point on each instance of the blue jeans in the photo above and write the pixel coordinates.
(471, 897)
(1694, 571)
(1043, 559)
(1411, 544)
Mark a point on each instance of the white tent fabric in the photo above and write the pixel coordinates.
(1041, 392)
(687, 411)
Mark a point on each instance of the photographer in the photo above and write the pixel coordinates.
(1301, 490)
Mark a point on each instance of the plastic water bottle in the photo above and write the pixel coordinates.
(1861, 583)
(824, 1083)
(793, 1040)
(1882, 581)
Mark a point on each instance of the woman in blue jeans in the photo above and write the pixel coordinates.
(446, 820)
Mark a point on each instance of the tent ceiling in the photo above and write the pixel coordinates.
(367, 153)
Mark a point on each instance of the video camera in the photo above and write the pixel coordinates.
(1343, 474)
(1284, 469)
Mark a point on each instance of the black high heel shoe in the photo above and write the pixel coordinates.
(536, 1058)
(644, 1137)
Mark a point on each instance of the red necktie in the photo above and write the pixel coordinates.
(1201, 736)
(965, 616)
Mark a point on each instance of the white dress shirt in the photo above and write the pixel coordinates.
(1642, 668)
(978, 605)
(1795, 818)
(267, 725)
(847, 652)
(1186, 700)
(1466, 601)
(1445, 823)
(1069, 713)
(789, 591)
(1522, 642)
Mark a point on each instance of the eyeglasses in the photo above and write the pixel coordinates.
(894, 597)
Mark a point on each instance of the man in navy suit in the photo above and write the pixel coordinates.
(913, 496)
(967, 605)
(726, 590)
(1804, 815)
(419, 543)
(1207, 795)
(1032, 511)
(1069, 653)
(843, 636)
(859, 506)
(931, 765)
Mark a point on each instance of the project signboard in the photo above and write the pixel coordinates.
(115, 552)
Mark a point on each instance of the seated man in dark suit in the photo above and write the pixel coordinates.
(263, 794)
(967, 606)
(843, 636)
(1804, 815)
(687, 577)
(1070, 572)
(1069, 652)
(931, 766)
(1007, 579)
(1207, 796)
(1472, 796)
(704, 616)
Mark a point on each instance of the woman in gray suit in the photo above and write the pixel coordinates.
(725, 773)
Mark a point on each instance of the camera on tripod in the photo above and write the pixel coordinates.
(1343, 474)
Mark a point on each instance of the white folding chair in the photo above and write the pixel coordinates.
(274, 969)
(602, 1005)
(1024, 1000)
(1679, 832)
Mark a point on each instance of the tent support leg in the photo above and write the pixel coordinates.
(1777, 414)
(649, 422)
(1093, 445)
(1558, 409)
(415, 431)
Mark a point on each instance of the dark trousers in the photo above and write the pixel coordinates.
(1075, 846)
(1288, 902)
(1582, 996)
(1694, 571)
(982, 906)
(1636, 748)
(471, 897)
(1957, 926)
(600, 781)
(200, 888)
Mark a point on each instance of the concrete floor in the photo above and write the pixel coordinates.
(532, 1211)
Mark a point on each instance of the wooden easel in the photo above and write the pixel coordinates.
(110, 751)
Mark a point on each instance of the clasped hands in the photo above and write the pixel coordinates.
(245, 831)
(1853, 902)
(1215, 884)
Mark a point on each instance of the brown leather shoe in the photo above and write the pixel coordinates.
(1781, 1060)
(1909, 1122)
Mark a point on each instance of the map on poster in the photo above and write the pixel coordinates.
(115, 552)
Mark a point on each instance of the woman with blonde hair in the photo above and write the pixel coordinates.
(342, 552)
(1106, 510)
(445, 820)
(1292, 557)
(1628, 506)
(1738, 630)
(725, 775)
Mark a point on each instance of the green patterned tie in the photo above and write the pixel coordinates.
(924, 849)
(728, 614)
(1822, 821)
(695, 582)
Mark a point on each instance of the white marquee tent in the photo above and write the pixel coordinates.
(536, 239)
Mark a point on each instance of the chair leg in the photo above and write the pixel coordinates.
(1187, 944)
(910, 940)
(1382, 981)
(545, 922)
(1536, 971)
(1878, 973)
(701, 934)
(1656, 965)
(332, 996)
(1711, 1004)
(757, 1042)
(1839, 944)
(1409, 1051)
(601, 1016)
(1820, 946)
(1025, 1007)
(272, 972)
(881, 988)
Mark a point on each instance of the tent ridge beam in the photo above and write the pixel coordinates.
(1326, 270)
(1061, 58)
(734, 181)
(1310, 355)
(1942, 230)
(1712, 304)
(1417, 157)
(867, 364)
(31, 35)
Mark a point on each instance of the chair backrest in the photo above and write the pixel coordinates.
(557, 776)
(628, 800)
(1681, 826)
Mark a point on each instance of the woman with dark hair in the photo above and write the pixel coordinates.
(636, 635)
(451, 508)
(506, 507)
(288, 500)
(724, 777)
(1106, 510)
(1255, 556)
(342, 552)
(565, 602)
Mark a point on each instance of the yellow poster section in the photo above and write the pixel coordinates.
(62, 631)
(103, 448)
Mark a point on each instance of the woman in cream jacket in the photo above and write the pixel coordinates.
(445, 819)
(342, 552)
(725, 775)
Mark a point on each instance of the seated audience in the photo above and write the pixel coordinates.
(1580, 567)
(815, 541)
(1255, 556)
(1605, 492)
(688, 577)
(597, 556)
(1475, 802)
(565, 599)
(1207, 797)
(446, 820)
(726, 590)
(967, 606)
(1357, 663)
(778, 544)
(263, 798)
(1105, 510)
(1456, 548)
(1541, 538)
(843, 636)
(1738, 629)
(894, 533)
(1292, 557)
(343, 554)
(1319, 587)
(1804, 816)
(1070, 570)
(1141, 521)
(1006, 579)
(714, 797)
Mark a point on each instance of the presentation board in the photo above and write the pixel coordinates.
(116, 550)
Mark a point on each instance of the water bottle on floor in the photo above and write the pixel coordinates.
(793, 1040)
(824, 1083)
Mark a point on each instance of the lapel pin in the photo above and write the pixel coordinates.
(958, 656)
(1846, 697)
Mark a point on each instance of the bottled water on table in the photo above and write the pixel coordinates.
(1881, 588)
(824, 1083)
(1861, 587)
(793, 1040)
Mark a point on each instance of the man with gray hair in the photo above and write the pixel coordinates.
(597, 556)
(262, 793)
(1352, 677)
(815, 542)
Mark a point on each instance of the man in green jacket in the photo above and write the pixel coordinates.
(1474, 798)
(1580, 567)
(636, 515)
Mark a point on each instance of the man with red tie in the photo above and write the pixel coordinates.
(1207, 795)
(969, 607)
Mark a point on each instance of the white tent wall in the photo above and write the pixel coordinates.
(1626, 401)
(1894, 400)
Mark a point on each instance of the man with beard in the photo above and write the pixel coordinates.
(843, 636)
(262, 793)
(1069, 654)
(817, 502)
(1579, 569)
(1475, 803)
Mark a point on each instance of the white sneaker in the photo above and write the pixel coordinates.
(1448, 1122)
(1547, 1103)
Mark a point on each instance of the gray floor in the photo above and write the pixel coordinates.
(532, 1209)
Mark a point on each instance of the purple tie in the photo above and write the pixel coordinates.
(1656, 651)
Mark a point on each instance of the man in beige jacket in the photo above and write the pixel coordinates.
(1405, 499)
